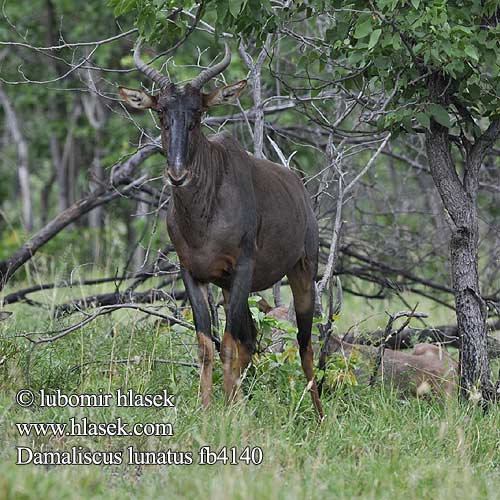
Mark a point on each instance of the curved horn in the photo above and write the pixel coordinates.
(149, 71)
(209, 73)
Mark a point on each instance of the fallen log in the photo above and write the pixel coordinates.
(409, 337)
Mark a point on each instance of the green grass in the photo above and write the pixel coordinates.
(371, 444)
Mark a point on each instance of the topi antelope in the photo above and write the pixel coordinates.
(239, 222)
(427, 369)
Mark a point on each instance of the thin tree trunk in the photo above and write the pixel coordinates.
(55, 151)
(96, 215)
(97, 115)
(55, 114)
(45, 199)
(72, 169)
(23, 172)
(141, 212)
(255, 68)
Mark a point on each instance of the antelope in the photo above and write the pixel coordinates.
(236, 221)
(427, 369)
(280, 313)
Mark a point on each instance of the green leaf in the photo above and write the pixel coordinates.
(424, 120)
(235, 7)
(415, 3)
(471, 51)
(474, 91)
(124, 6)
(440, 115)
(363, 29)
(374, 37)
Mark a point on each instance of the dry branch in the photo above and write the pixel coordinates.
(22, 295)
(114, 298)
(408, 337)
(349, 251)
(58, 334)
(389, 333)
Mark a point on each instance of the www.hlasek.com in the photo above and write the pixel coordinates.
(79, 427)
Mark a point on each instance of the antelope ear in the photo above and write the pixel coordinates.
(224, 95)
(138, 99)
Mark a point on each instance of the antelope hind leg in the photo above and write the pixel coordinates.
(302, 285)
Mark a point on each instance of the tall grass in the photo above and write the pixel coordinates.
(372, 444)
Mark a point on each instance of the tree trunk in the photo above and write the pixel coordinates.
(139, 258)
(470, 307)
(97, 115)
(459, 199)
(96, 215)
(23, 172)
(56, 112)
(255, 68)
(45, 198)
(471, 310)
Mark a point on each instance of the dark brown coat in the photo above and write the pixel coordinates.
(235, 220)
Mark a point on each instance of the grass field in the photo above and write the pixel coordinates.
(371, 445)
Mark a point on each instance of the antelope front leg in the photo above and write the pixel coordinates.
(239, 336)
(198, 297)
